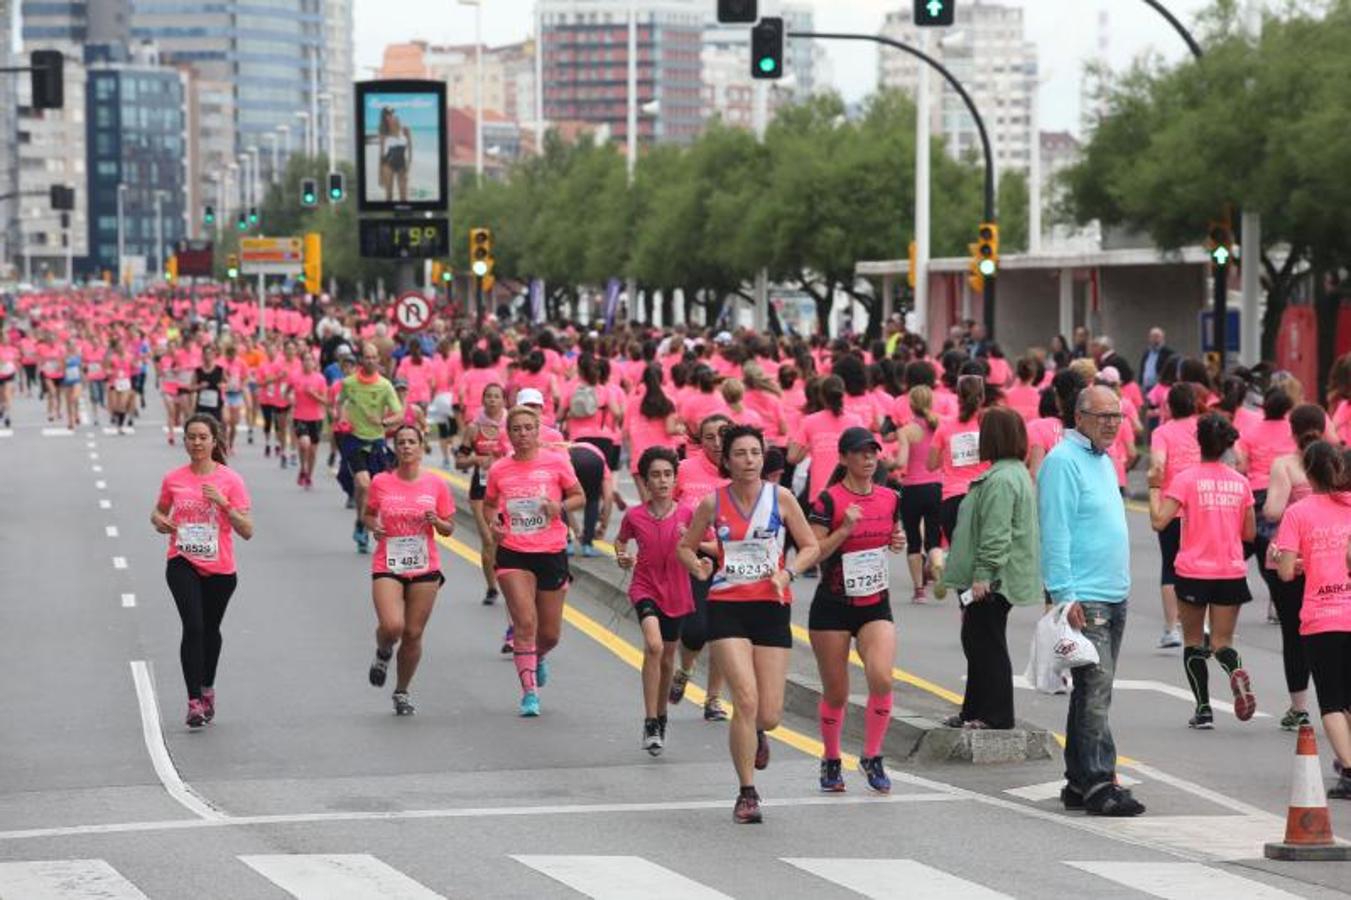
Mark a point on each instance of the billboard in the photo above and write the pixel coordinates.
(401, 145)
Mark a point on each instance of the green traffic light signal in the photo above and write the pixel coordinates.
(988, 267)
(1221, 255)
(232, 272)
(767, 64)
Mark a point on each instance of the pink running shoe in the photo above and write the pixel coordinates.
(196, 714)
(209, 703)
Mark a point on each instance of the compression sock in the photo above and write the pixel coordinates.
(526, 662)
(832, 726)
(1228, 659)
(1198, 676)
(875, 726)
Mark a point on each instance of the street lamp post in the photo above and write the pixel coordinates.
(159, 232)
(305, 118)
(272, 138)
(285, 132)
(121, 231)
(255, 175)
(245, 184)
(328, 100)
(539, 77)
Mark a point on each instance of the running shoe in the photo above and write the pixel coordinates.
(678, 682)
(491, 597)
(1245, 702)
(713, 710)
(380, 666)
(1204, 720)
(1341, 790)
(572, 550)
(530, 705)
(351, 502)
(1071, 799)
(541, 672)
(761, 750)
(832, 777)
(589, 551)
(1171, 638)
(281, 457)
(209, 703)
(1113, 801)
(1293, 719)
(250, 435)
(300, 479)
(747, 809)
(877, 775)
(267, 448)
(652, 742)
(196, 714)
(919, 596)
(363, 539)
(936, 567)
(661, 726)
(507, 640)
(402, 705)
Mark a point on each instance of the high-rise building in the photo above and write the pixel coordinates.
(987, 52)
(729, 90)
(339, 55)
(508, 74)
(586, 65)
(138, 147)
(9, 124)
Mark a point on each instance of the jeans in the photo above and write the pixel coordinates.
(1090, 752)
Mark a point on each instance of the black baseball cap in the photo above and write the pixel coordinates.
(856, 439)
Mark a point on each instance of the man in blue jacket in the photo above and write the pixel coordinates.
(1085, 561)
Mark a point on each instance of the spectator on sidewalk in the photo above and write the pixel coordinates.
(1085, 560)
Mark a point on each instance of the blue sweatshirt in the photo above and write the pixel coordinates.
(1085, 546)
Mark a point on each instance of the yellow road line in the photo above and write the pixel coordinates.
(631, 655)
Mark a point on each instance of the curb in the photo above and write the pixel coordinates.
(913, 735)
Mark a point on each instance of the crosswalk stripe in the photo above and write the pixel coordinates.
(337, 876)
(57, 432)
(894, 879)
(65, 879)
(619, 878)
(1183, 881)
(6, 432)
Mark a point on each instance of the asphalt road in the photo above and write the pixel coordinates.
(307, 785)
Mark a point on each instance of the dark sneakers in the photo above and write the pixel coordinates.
(747, 809)
(1342, 789)
(1071, 798)
(380, 666)
(1203, 720)
(1113, 801)
(832, 776)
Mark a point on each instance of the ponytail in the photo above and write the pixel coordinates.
(921, 405)
(832, 394)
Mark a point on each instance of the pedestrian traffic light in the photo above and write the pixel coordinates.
(232, 266)
(48, 78)
(62, 197)
(314, 263)
(933, 13)
(1220, 243)
(987, 250)
(767, 48)
(253, 215)
(913, 273)
(242, 221)
(336, 189)
(309, 192)
(209, 215)
(171, 269)
(734, 11)
(481, 251)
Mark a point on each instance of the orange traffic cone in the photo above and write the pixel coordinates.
(1308, 827)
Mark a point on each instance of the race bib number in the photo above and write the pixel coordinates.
(7, 368)
(965, 449)
(406, 554)
(865, 573)
(746, 562)
(200, 540)
(122, 384)
(526, 515)
(208, 398)
(95, 369)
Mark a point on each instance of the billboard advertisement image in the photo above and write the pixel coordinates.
(401, 140)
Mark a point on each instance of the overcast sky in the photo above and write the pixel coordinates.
(1064, 30)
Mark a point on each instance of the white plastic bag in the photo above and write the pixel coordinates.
(1072, 649)
(1041, 672)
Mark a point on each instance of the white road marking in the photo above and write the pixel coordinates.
(159, 754)
(96, 469)
(1182, 881)
(110, 530)
(119, 562)
(127, 429)
(65, 879)
(1158, 687)
(348, 876)
(91, 444)
(1039, 792)
(57, 432)
(128, 601)
(105, 504)
(1219, 837)
(895, 879)
(6, 432)
(93, 455)
(488, 812)
(619, 878)
(101, 485)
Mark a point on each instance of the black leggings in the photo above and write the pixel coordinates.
(607, 446)
(201, 601)
(1288, 596)
(1330, 656)
(694, 630)
(920, 504)
(590, 471)
(947, 516)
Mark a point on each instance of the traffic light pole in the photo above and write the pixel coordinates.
(989, 297)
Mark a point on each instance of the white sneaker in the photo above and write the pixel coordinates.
(1171, 638)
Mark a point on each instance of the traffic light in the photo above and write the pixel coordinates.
(481, 251)
(232, 266)
(913, 273)
(309, 192)
(62, 197)
(253, 215)
(987, 250)
(48, 78)
(933, 13)
(767, 48)
(314, 263)
(733, 11)
(171, 269)
(974, 278)
(209, 215)
(242, 222)
(447, 274)
(1220, 243)
(336, 189)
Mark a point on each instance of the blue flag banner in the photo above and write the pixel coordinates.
(612, 289)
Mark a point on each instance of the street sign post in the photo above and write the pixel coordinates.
(271, 256)
(413, 312)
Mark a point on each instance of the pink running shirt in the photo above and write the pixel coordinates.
(820, 434)
(1214, 499)
(308, 409)
(409, 545)
(1177, 439)
(204, 536)
(1261, 442)
(516, 489)
(658, 574)
(958, 446)
(1317, 528)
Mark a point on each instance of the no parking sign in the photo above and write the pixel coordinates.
(413, 312)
